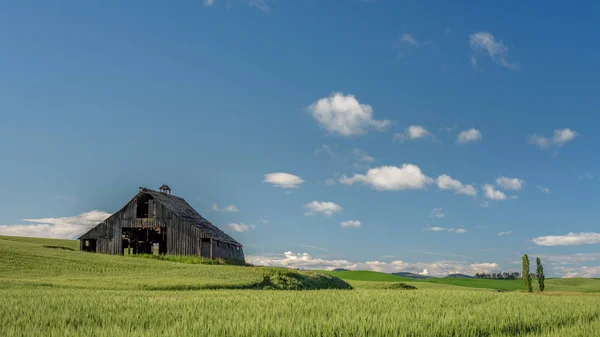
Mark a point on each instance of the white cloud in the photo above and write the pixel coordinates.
(413, 132)
(240, 227)
(209, 2)
(325, 149)
(570, 258)
(560, 138)
(391, 178)
(350, 224)
(563, 136)
(330, 181)
(442, 229)
(262, 220)
(492, 193)
(468, 136)
(322, 207)
(408, 38)
(505, 233)
(283, 180)
(435, 229)
(445, 182)
(572, 265)
(306, 261)
(571, 239)
(262, 5)
(486, 42)
(437, 213)
(543, 189)
(425, 272)
(513, 184)
(343, 114)
(60, 228)
(229, 208)
(587, 175)
(485, 204)
(361, 156)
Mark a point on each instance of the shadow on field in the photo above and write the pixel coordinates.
(401, 286)
(60, 247)
(273, 279)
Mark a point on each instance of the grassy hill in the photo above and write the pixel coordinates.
(552, 285)
(58, 263)
(412, 275)
(50, 289)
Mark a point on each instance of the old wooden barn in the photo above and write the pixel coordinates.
(159, 222)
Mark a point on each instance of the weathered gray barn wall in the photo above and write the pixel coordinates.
(183, 238)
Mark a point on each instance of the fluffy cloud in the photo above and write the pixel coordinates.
(445, 182)
(322, 207)
(468, 136)
(60, 228)
(560, 138)
(240, 227)
(344, 115)
(485, 42)
(283, 180)
(391, 178)
(361, 156)
(492, 193)
(564, 136)
(350, 224)
(543, 189)
(505, 233)
(513, 184)
(228, 208)
(408, 38)
(435, 229)
(413, 132)
(306, 261)
(325, 149)
(437, 213)
(442, 229)
(573, 265)
(571, 239)
(330, 181)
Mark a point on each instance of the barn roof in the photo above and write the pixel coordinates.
(182, 209)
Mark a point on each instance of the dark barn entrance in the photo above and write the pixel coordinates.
(144, 240)
(89, 245)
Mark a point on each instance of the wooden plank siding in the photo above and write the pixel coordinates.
(183, 238)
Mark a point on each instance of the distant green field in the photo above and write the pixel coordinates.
(47, 290)
(552, 285)
(365, 275)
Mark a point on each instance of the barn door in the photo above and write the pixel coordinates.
(205, 248)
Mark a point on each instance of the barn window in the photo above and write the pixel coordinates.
(145, 207)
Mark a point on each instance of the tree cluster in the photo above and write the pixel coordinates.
(539, 274)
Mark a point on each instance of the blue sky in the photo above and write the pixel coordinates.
(435, 126)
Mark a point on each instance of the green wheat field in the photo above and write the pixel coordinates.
(48, 288)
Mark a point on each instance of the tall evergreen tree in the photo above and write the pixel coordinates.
(540, 274)
(526, 274)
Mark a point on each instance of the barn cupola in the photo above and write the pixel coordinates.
(165, 189)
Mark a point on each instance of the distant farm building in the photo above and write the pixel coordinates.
(157, 222)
